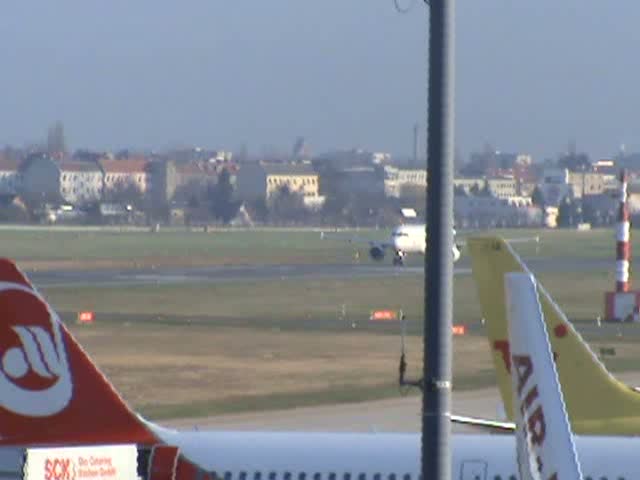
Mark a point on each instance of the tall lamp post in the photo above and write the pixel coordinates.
(438, 287)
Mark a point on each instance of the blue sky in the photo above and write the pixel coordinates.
(155, 73)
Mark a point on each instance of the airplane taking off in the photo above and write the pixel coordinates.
(597, 403)
(52, 394)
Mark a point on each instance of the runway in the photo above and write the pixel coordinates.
(217, 274)
(235, 273)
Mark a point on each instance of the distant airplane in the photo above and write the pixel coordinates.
(52, 394)
(409, 238)
(404, 239)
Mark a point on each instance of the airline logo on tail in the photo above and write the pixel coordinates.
(545, 447)
(504, 347)
(35, 379)
(50, 391)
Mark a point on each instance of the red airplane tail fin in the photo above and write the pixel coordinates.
(50, 390)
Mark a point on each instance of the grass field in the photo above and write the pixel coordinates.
(77, 249)
(173, 371)
(95, 249)
(319, 304)
(189, 349)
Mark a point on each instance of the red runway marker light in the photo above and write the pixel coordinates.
(459, 329)
(86, 317)
(383, 315)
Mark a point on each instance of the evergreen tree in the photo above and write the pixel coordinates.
(537, 197)
(221, 201)
(566, 213)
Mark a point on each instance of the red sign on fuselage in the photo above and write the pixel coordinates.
(58, 469)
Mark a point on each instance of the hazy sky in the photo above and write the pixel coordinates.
(531, 75)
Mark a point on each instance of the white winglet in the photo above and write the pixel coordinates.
(545, 446)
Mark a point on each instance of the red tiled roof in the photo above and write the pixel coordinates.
(77, 166)
(7, 164)
(137, 165)
(193, 168)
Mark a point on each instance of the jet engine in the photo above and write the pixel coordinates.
(376, 253)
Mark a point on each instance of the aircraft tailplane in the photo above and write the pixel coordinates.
(544, 441)
(50, 390)
(597, 403)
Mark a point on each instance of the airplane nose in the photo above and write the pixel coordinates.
(456, 252)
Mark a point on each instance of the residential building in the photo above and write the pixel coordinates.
(489, 212)
(264, 181)
(398, 180)
(361, 180)
(606, 166)
(196, 174)
(491, 163)
(67, 181)
(118, 174)
(555, 185)
(591, 183)
(340, 159)
(503, 188)
(380, 158)
(80, 182)
(469, 184)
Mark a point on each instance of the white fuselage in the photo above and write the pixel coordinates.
(345, 456)
(413, 239)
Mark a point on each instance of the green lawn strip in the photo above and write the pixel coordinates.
(273, 246)
(338, 394)
(216, 247)
(310, 303)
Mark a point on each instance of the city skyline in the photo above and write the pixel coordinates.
(530, 77)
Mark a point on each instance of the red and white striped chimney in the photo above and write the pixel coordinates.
(623, 244)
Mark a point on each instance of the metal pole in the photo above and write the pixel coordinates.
(436, 399)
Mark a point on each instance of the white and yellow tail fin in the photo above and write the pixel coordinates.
(544, 441)
(50, 390)
(596, 402)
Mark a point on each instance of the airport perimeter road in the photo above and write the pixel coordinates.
(400, 414)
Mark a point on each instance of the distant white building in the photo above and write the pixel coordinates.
(397, 180)
(265, 181)
(555, 185)
(488, 212)
(500, 187)
(504, 188)
(126, 172)
(73, 182)
(80, 182)
(379, 158)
